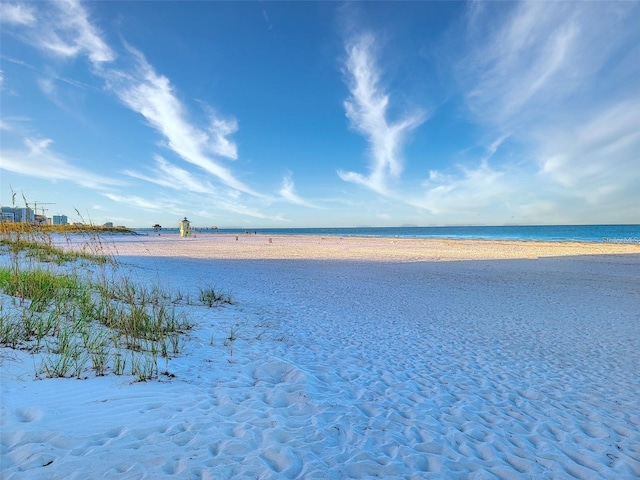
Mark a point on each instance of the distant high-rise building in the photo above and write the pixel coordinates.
(60, 220)
(8, 215)
(18, 214)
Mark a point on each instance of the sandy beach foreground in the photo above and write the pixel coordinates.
(389, 358)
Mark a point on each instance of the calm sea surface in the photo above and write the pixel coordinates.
(549, 233)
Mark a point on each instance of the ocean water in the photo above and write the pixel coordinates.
(548, 233)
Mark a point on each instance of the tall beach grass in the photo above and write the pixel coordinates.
(65, 299)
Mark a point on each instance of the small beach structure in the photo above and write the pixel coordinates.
(185, 228)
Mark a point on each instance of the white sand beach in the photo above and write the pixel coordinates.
(358, 358)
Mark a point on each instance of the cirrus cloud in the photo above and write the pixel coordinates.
(367, 111)
(39, 161)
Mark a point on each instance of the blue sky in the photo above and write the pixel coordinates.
(314, 114)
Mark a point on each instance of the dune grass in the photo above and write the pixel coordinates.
(210, 297)
(31, 229)
(71, 307)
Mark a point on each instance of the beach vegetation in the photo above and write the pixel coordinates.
(210, 297)
(46, 229)
(47, 251)
(40, 287)
(232, 337)
(65, 300)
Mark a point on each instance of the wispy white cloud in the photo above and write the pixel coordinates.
(367, 110)
(168, 175)
(495, 145)
(14, 123)
(66, 31)
(266, 19)
(219, 131)
(288, 192)
(138, 202)
(466, 193)
(47, 87)
(16, 13)
(530, 61)
(520, 62)
(39, 161)
(211, 206)
(245, 210)
(153, 96)
(597, 157)
(556, 80)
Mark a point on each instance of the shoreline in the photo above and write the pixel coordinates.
(291, 247)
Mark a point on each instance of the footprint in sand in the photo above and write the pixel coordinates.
(282, 461)
(275, 372)
(175, 465)
(29, 414)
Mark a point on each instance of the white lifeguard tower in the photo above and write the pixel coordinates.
(185, 228)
